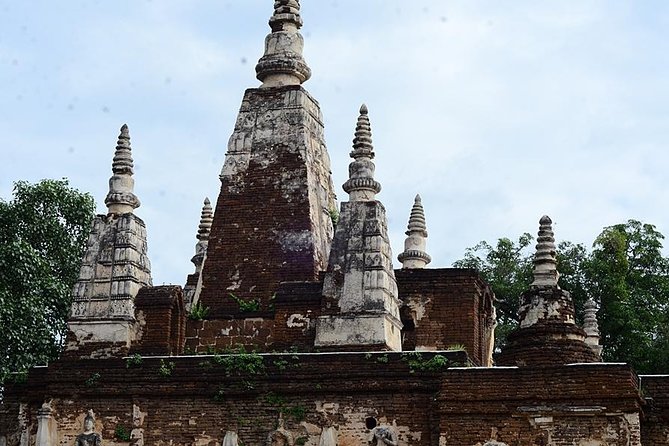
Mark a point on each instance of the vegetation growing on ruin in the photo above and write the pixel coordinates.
(133, 361)
(246, 305)
(239, 362)
(296, 412)
(198, 312)
(122, 433)
(92, 380)
(166, 368)
(418, 363)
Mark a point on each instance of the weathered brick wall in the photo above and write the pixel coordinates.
(272, 220)
(161, 310)
(546, 345)
(655, 423)
(445, 307)
(254, 332)
(289, 325)
(202, 397)
(556, 406)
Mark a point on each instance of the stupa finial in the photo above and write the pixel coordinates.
(591, 326)
(283, 63)
(121, 198)
(545, 259)
(361, 185)
(206, 218)
(414, 255)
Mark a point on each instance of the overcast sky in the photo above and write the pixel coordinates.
(495, 112)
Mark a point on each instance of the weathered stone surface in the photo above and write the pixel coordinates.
(269, 246)
(46, 426)
(545, 262)
(162, 321)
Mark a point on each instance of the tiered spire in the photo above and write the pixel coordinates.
(121, 198)
(414, 255)
(545, 260)
(591, 326)
(283, 64)
(361, 185)
(360, 305)
(547, 332)
(204, 229)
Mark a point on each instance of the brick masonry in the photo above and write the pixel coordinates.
(272, 221)
(202, 397)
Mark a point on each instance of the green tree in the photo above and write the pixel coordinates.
(43, 232)
(629, 277)
(507, 267)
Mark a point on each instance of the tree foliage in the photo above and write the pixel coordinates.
(625, 273)
(43, 232)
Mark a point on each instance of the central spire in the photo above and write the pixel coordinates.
(283, 64)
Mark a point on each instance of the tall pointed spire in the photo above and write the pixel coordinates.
(360, 305)
(361, 185)
(114, 268)
(121, 198)
(414, 255)
(545, 260)
(272, 222)
(283, 64)
(204, 229)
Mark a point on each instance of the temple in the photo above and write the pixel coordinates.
(294, 327)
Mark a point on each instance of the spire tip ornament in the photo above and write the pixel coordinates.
(414, 255)
(283, 64)
(121, 198)
(361, 185)
(545, 259)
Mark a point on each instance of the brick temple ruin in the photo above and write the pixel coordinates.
(300, 330)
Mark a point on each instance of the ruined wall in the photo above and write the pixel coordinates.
(161, 310)
(446, 307)
(195, 400)
(655, 422)
(584, 405)
(289, 325)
